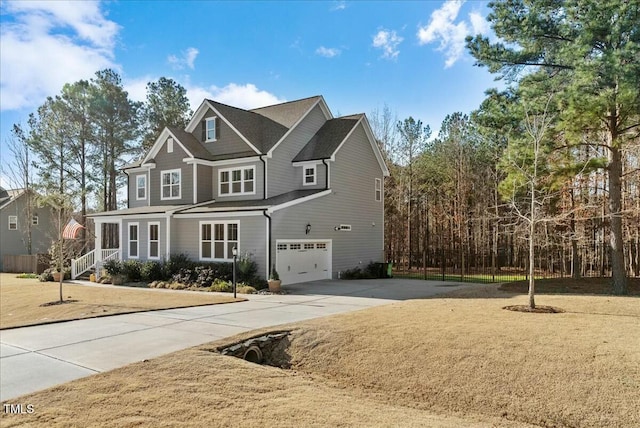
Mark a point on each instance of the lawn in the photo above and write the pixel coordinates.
(21, 301)
(459, 360)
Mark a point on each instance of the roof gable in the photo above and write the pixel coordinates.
(289, 113)
(185, 140)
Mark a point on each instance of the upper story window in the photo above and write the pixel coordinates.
(237, 181)
(141, 187)
(170, 184)
(309, 177)
(13, 222)
(210, 129)
(378, 189)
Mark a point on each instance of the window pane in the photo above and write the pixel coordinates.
(236, 187)
(248, 174)
(232, 230)
(219, 232)
(206, 250)
(248, 186)
(206, 232)
(175, 191)
(224, 188)
(153, 232)
(153, 249)
(175, 177)
(224, 176)
(141, 192)
(133, 249)
(219, 250)
(133, 232)
(236, 174)
(166, 178)
(166, 192)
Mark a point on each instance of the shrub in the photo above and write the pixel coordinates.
(47, 275)
(247, 268)
(354, 273)
(176, 263)
(245, 289)
(152, 271)
(184, 276)
(132, 269)
(113, 267)
(27, 276)
(221, 286)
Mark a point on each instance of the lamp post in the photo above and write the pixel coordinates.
(234, 251)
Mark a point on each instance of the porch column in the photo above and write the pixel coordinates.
(122, 235)
(98, 243)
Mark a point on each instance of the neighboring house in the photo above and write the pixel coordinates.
(288, 184)
(14, 225)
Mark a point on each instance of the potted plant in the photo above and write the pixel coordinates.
(114, 270)
(274, 281)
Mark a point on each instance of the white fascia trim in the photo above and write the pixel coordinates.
(299, 201)
(307, 163)
(200, 113)
(160, 141)
(374, 145)
(221, 214)
(323, 107)
(143, 168)
(225, 162)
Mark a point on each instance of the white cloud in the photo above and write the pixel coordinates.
(48, 44)
(388, 41)
(328, 52)
(137, 88)
(338, 5)
(187, 58)
(450, 35)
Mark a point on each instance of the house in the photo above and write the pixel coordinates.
(15, 222)
(288, 184)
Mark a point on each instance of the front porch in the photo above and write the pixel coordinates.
(97, 257)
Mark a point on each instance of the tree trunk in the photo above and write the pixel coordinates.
(618, 273)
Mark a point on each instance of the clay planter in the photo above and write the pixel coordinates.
(117, 279)
(57, 276)
(274, 285)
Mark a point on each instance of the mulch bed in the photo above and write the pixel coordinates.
(537, 310)
(571, 286)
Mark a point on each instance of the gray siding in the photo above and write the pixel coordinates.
(252, 237)
(14, 242)
(168, 161)
(351, 202)
(133, 202)
(258, 176)
(143, 237)
(281, 174)
(205, 191)
(321, 176)
(228, 140)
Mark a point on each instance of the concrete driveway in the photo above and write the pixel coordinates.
(37, 357)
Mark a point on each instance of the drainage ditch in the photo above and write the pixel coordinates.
(269, 349)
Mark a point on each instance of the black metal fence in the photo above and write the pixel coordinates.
(512, 263)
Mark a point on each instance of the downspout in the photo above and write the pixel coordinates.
(264, 177)
(326, 175)
(264, 212)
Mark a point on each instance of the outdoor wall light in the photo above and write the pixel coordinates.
(307, 229)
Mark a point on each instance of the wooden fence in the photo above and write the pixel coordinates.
(24, 263)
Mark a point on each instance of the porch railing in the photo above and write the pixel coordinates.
(88, 261)
(83, 264)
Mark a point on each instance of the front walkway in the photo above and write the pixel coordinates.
(37, 357)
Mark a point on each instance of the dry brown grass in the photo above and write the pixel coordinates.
(21, 300)
(455, 361)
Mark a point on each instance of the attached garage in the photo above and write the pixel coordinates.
(303, 260)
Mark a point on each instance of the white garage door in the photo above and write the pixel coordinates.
(302, 261)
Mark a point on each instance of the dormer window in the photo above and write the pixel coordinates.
(211, 133)
(309, 177)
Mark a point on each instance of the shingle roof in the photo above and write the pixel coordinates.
(191, 143)
(287, 114)
(327, 139)
(260, 130)
(251, 204)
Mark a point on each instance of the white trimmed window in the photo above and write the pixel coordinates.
(210, 129)
(217, 240)
(133, 241)
(35, 220)
(378, 189)
(170, 184)
(141, 187)
(13, 222)
(237, 181)
(154, 240)
(309, 175)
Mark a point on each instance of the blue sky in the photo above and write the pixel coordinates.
(359, 55)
